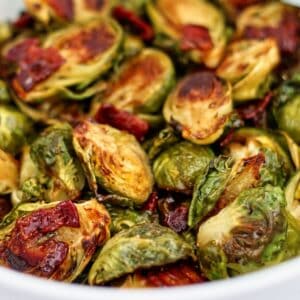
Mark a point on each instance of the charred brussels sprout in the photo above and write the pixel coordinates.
(67, 63)
(113, 160)
(194, 29)
(177, 168)
(199, 107)
(141, 246)
(247, 234)
(15, 128)
(46, 11)
(53, 154)
(142, 83)
(250, 79)
(58, 249)
(9, 173)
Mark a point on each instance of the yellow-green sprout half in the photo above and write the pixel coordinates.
(199, 107)
(169, 17)
(113, 160)
(247, 66)
(63, 11)
(9, 173)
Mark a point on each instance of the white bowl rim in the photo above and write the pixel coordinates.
(37, 288)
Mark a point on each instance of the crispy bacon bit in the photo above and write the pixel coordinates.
(95, 4)
(63, 8)
(123, 120)
(286, 34)
(255, 110)
(128, 17)
(25, 249)
(152, 203)
(228, 138)
(89, 43)
(24, 21)
(5, 207)
(35, 64)
(196, 37)
(173, 215)
(172, 275)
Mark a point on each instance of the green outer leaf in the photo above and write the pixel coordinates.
(141, 246)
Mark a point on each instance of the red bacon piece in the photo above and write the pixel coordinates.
(286, 34)
(24, 252)
(195, 37)
(128, 17)
(63, 8)
(18, 52)
(123, 120)
(152, 203)
(24, 21)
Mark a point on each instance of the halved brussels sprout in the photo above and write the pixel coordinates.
(142, 83)
(68, 61)
(15, 128)
(247, 142)
(173, 18)
(292, 194)
(67, 10)
(9, 173)
(247, 234)
(53, 154)
(142, 246)
(177, 168)
(250, 79)
(54, 240)
(200, 107)
(113, 160)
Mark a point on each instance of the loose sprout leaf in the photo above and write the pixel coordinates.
(59, 248)
(141, 246)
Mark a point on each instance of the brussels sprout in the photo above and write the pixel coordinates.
(9, 173)
(292, 195)
(71, 59)
(4, 94)
(171, 18)
(200, 107)
(133, 45)
(247, 142)
(53, 154)
(67, 11)
(142, 83)
(113, 160)
(142, 246)
(247, 234)
(54, 240)
(249, 79)
(177, 168)
(123, 219)
(5, 32)
(14, 129)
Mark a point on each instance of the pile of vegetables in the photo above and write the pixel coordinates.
(149, 143)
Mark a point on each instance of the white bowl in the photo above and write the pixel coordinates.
(276, 283)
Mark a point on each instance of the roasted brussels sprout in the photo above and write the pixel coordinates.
(251, 78)
(72, 57)
(194, 28)
(247, 234)
(292, 195)
(4, 94)
(199, 107)
(142, 83)
(9, 173)
(58, 248)
(67, 10)
(142, 246)
(15, 128)
(113, 160)
(53, 154)
(5, 32)
(177, 168)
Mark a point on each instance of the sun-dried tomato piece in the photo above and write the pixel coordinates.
(172, 275)
(63, 8)
(123, 120)
(35, 64)
(195, 37)
(127, 17)
(25, 251)
(25, 20)
(152, 203)
(286, 34)
(173, 214)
